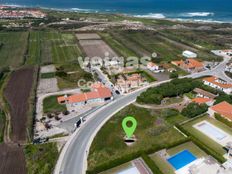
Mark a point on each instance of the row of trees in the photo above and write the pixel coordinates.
(176, 87)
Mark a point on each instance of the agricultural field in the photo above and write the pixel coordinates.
(147, 42)
(12, 159)
(13, 46)
(17, 94)
(41, 158)
(52, 47)
(153, 130)
(202, 39)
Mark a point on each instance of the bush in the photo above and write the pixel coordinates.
(173, 75)
(223, 120)
(194, 109)
(151, 164)
(223, 97)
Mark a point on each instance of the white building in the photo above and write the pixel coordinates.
(189, 54)
(219, 84)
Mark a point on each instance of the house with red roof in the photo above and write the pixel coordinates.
(223, 108)
(190, 65)
(218, 83)
(99, 94)
(201, 100)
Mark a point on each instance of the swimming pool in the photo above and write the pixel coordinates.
(181, 159)
(211, 131)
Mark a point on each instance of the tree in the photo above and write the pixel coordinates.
(194, 109)
(173, 75)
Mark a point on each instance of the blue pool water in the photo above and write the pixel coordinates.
(181, 159)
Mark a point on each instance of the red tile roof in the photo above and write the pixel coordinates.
(224, 109)
(200, 100)
(213, 80)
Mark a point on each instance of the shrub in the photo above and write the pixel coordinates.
(223, 120)
(194, 109)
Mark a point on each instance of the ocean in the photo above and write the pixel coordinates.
(198, 10)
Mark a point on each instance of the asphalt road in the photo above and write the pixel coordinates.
(73, 159)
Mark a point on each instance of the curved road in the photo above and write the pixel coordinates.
(73, 158)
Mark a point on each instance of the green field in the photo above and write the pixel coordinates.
(12, 49)
(147, 42)
(52, 47)
(68, 75)
(50, 105)
(165, 167)
(41, 158)
(152, 130)
(205, 139)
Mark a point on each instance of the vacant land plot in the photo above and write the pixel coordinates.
(41, 159)
(68, 75)
(51, 105)
(13, 48)
(47, 85)
(48, 47)
(12, 159)
(87, 36)
(152, 130)
(205, 139)
(48, 69)
(17, 94)
(95, 47)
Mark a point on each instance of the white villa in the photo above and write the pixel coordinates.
(218, 83)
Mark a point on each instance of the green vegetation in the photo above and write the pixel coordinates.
(2, 125)
(119, 48)
(47, 75)
(52, 47)
(14, 45)
(194, 109)
(154, 168)
(41, 158)
(223, 120)
(68, 75)
(152, 132)
(176, 87)
(223, 97)
(50, 105)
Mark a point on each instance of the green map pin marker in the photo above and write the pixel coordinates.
(129, 130)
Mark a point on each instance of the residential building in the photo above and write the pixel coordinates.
(190, 65)
(126, 83)
(154, 67)
(99, 94)
(204, 94)
(218, 83)
(223, 108)
(189, 54)
(201, 100)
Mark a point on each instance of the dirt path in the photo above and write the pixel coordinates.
(178, 106)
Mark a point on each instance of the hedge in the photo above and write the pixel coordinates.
(129, 157)
(151, 164)
(202, 145)
(223, 120)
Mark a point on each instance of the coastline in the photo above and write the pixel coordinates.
(189, 17)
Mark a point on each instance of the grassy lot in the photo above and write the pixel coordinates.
(50, 104)
(152, 130)
(14, 45)
(119, 48)
(47, 75)
(41, 158)
(166, 167)
(68, 75)
(56, 47)
(205, 139)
